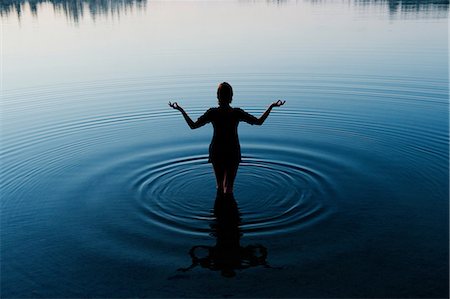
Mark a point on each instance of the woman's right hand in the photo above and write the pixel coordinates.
(278, 103)
(175, 106)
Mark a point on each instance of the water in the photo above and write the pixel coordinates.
(105, 189)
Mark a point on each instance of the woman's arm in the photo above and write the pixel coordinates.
(189, 121)
(263, 117)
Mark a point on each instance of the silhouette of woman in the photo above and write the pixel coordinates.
(227, 255)
(225, 151)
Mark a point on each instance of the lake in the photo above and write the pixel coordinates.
(106, 192)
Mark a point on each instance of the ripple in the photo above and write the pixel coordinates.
(283, 196)
(368, 116)
(278, 196)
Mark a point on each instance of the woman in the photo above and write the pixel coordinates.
(225, 151)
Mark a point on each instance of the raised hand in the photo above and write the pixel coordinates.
(175, 106)
(278, 103)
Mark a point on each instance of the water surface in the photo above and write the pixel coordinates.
(105, 190)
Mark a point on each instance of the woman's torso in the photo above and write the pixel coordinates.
(225, 146)
(225, 140)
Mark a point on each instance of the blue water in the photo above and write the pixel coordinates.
(105, 189)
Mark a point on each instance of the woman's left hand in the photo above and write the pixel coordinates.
(175, 106)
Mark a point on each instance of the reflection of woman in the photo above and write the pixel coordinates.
(224, 151)
(227, 255)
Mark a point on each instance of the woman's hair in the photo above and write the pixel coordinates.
(224, 93)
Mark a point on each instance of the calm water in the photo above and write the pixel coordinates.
(343, 192)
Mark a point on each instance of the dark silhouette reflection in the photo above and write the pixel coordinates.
(227, 255)
(73, 9)
(433, 8)
(408, 8)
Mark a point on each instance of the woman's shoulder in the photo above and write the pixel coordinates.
(238, 110)
(212, 110)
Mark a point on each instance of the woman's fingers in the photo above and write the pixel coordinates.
(174, 105)
(279, 103)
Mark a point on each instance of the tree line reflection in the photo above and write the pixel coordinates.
(76, 9)
(73, 9)
(437, 8)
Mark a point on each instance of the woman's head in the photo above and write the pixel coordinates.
(224, 93)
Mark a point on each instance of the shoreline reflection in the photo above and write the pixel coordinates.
(410, 8)
(76, 9)
(227, 255)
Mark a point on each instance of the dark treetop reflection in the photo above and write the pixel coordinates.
(438, 8)
(75, 9)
